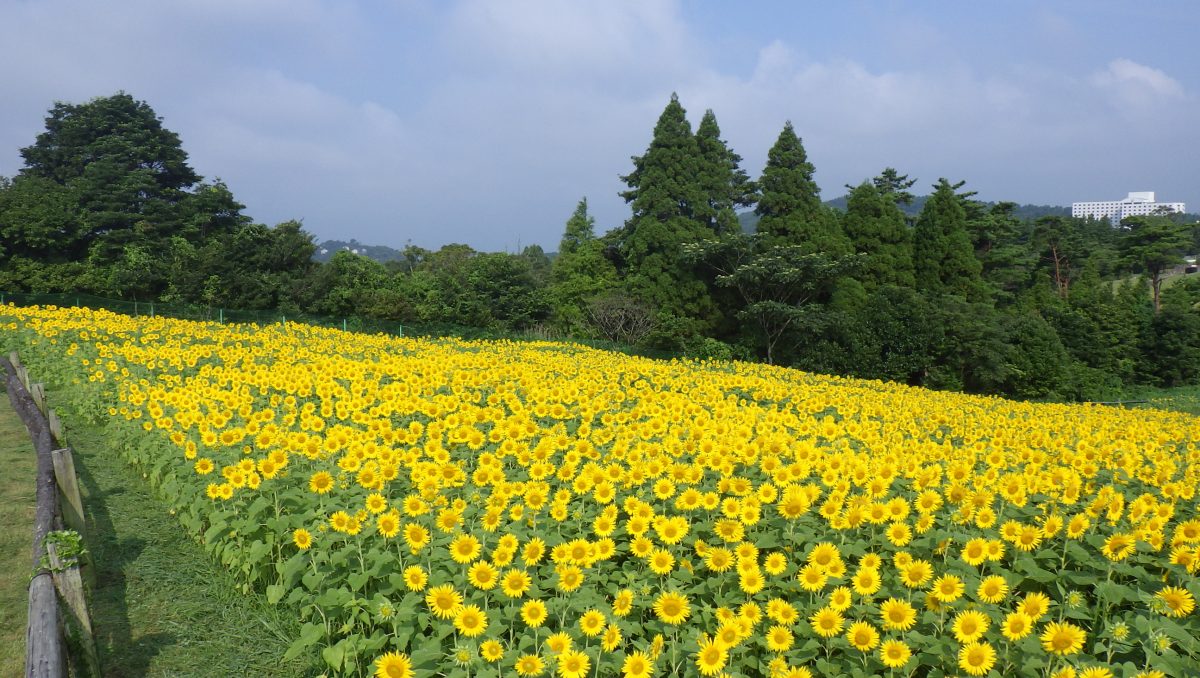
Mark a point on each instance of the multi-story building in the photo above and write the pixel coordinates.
(1137, 203)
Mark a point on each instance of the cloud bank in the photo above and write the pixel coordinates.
(484, 121)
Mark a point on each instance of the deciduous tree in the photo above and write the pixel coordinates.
(778, 283)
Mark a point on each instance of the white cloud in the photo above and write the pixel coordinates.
(519, 108)
(1136, 87)
(591, 38)
(1020, 134)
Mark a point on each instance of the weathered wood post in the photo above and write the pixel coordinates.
(68, 486)
(44, 656)
(69, 584)
(45, 651)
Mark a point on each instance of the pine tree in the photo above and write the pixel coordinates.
(665, 198)
(722, 181)
(1002, 246)
(876, 227)
(108, 184)
(1154, 244)
(662, 184)
(894, 186)
(789, 203)
(943, 258)
(580, 273)
(581, 229)
(128, 172)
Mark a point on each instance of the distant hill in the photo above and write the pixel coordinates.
(380, 253)
(748, 220)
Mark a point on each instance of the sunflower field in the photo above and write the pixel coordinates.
(452, 508)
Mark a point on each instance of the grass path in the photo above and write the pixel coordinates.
(161, 606)
(18, 469)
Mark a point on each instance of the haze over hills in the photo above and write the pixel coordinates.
(380, 253)
(1022, 212)
(384, 253)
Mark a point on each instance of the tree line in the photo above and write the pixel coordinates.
(966, 295)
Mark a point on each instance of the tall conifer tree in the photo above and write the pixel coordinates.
(665, 198)
(894, 186)
(876, 227)
(580, 272)
(581, 229)
(789, 204)
(944, 259)
(724, 184)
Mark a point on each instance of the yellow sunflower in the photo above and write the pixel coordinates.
(471, 621)
(826, 622)
(573, 664)
(515, 583)
(592, 623)
(1062, 638)
(444, 602)
(710, 658)
(947, 588)
(637, 665)
(894, 653)
(779, 639)
(1017, 625)
(530, 665)
(533, 613)
(672, 608)
(862, 636)
(1176, 601)
(969, 626)
(393, 665)
(415, 578)
(992, 589)
(977, 658)
(898, 615)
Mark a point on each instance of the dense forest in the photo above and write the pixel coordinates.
(948, 293)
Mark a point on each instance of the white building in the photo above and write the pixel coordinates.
(1137, 203)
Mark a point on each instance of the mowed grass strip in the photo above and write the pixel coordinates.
(18, 471)
(1179, 398)
(162, 606)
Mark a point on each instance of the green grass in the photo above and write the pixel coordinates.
(1179, 399)
(1169, 280)
(18, 472)
(162, 606)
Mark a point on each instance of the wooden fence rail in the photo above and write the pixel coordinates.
(56, 577)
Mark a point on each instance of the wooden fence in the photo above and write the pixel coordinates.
(59, 636)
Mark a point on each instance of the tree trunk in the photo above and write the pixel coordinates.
(1155, 286)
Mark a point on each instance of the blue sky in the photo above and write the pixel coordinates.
(485, 121)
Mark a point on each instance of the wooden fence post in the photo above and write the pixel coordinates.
(56, 427)
(44, 656)
(68, 487)
(38, 391)
(72, 503)
(70, 588)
